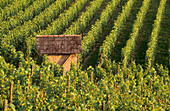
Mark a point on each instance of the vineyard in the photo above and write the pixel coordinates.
(124, 64)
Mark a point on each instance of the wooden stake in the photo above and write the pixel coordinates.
(65, 92)
(114, 85)
(151, 85)
(11, 87)
(5, 104)
(68, 82)
(32, 70)
(108, 98)
(13, 71)
(123, 57)
(146, 107)
(153, 106)
(19, 64)
(148, 59)
(91, 77)
(118, 68)
(142, 91)
(28, 78)
(42, 95)
(79, 108)
(103, 106)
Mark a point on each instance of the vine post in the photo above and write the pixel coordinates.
(141, 91)
(13, 71)
(5, 105)
(11, 87)
(91, 77)
(108, 98)
(103, 106)
(68, 81)
(32, 70)
(65, 92)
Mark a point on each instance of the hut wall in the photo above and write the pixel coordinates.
(64, 60)
(58, 59)
(71, 59)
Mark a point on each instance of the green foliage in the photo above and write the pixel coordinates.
(25, 15)
(150, 53)
(41, 85)
(130, 88)
(109, 43)
(128, 50)
(93, 35)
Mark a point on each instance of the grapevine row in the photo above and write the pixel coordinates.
(109, 42)
(150, 53)
(26, 84)
(83, 21)
(14, 8)
(31, 87)
(130, 44)
(163, 46)
(4, 3)
(144, 34)
(64, 20)
(38, 23)
(93, 35)
(26, 15)
(49, 13)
